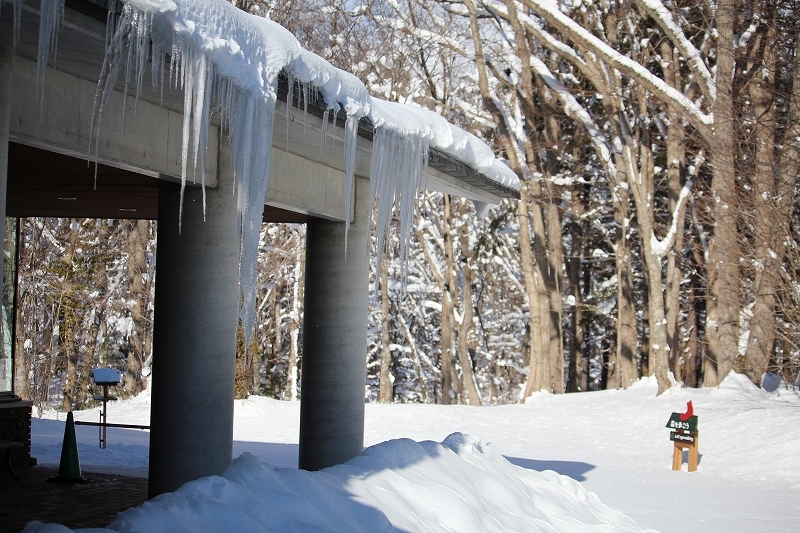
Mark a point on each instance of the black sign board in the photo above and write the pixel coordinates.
(681, 437)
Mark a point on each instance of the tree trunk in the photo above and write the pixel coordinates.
(68, 321)
(555, 277)
(642, 187)
(624, 371)
(467, 373)
(385, 392)
(423, 387)
(691, 352)
(71, 358)
(553, 268)
(292, 378)
(536, 373)
(137, 270)
(676, 165)
(722, 321)
(773, 195)
(450, 388)
(90, 358)
(574, 273)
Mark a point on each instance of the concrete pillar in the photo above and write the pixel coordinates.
(6, 64)
(335, 339)
(194, 337)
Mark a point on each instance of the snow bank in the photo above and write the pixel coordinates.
(613, 442)
(397, 486)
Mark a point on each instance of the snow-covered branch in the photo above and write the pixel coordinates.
(663, 246)
(581, 36)
(666, 22)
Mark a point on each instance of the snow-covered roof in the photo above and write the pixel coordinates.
(252, 52)
(219, 60)
(213, 47)
(451, 158)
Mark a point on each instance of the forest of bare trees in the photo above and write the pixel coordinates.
(657, 144)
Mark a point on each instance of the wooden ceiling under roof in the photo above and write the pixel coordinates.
(47, 184)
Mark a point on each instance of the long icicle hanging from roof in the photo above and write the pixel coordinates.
(396, 155)
(214, 47)
(246, 115)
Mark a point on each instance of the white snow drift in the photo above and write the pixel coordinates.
(613, 442)
(398, 486)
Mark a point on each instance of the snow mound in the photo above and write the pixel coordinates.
(396, 486)
(737, 385)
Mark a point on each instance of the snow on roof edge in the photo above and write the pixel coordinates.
(255, 50)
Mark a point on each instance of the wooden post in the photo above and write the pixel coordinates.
(677, 457)
(681, 440)
(694, 453)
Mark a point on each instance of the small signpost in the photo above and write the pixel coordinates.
(684, 435)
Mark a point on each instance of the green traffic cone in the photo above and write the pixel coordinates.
(69, 469)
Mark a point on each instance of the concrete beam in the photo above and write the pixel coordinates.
(194, 338)
(446, 184)
(335, 339)
(305, 186)
(150, 144)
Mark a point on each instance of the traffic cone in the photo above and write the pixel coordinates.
(69, 469)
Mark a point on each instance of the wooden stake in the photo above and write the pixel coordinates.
(694, 451)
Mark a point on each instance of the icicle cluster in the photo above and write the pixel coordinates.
(246, 115)
(396, 155)
(215, 49)
(52, 14)
(51, 18)
(245, 103)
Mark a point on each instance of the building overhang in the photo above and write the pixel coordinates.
(141, 140)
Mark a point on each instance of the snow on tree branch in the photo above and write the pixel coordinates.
(666, 22)
(663, 246)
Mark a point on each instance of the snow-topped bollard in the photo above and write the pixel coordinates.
(685, 435)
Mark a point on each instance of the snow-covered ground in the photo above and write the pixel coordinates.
(613, 443)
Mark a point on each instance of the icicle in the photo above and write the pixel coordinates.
(142, 53)
(350, 144)
(305, 106)
(51, 18)
(109, 73)
(324, 132)
(188, 93)
(173, 62)
(159, 66)
(17, 22)
(253, 188)
(398, 165)
(334, 112)
(110, 23)
(201, 114)
(135, 20)
(289, 103)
